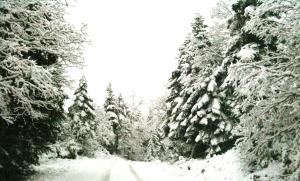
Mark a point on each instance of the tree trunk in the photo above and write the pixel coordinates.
(116, 144)
(193, 151)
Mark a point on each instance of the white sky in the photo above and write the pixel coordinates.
(134, 43)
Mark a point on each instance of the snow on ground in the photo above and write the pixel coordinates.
(74, 170)
(158, 171)
(218, 168)
(226, 167)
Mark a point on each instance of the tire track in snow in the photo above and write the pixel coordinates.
(134, 173)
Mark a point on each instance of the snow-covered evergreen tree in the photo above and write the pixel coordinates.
(82, 117)
(112, 111)
(201, 116)
(186, 72)
(125, 125)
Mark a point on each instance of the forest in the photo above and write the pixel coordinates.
(236, 87)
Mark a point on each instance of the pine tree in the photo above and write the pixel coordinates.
(82, 117)
(202, 117)
(187, 70)
(112, 110)
(125, 124)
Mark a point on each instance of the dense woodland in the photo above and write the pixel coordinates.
(237, 85)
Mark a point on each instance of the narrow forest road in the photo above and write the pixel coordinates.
(225, 167)
(104, 169)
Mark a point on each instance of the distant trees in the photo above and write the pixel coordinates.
(36, 46)
(104, 133)
(128, 126)
(157, 146)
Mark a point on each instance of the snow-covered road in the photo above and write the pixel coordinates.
(225, 167)
(104, 169)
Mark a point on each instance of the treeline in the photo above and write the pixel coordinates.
(237, 84)
(114, 128)
(117, 127)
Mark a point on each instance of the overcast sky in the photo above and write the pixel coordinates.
(134, 43)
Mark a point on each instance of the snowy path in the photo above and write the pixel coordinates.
(74, 170)
(101, 169)
(224, 167)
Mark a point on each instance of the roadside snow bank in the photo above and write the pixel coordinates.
(220, 167)
(225, 167)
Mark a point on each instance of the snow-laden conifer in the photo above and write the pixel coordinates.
(199, 114)
(82, 117)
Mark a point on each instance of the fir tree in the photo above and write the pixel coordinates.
(187, 70)
(201, 116)
(82, 116)
(112, 110)
(124, 132)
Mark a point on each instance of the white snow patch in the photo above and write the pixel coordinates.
(184, 122)
(249, 11)
(247, 53)
(179, 102)
(211, 86)
(82, 113)
(198, 138)
(204, 121)
(81, 98)
(201, 113)
(214, 141)
(216, 106)
(173, 125)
